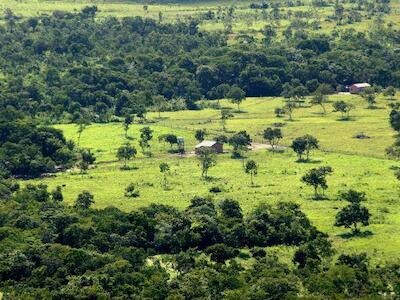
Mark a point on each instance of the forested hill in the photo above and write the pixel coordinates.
(55, 65)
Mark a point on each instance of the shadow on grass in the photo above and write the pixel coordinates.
(211, 179)
(128, 168)
(358, 234)
(308, 161)
(320, 197)
(346, 119)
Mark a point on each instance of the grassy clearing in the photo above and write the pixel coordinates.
(244, 21)
(358, 164)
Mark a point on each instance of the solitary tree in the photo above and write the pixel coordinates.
(320, 99)
(251, 168)
(225, 115)
(354, 214)
(279, 112)
(343, 108)
(317, 178)
(369, 96)
(131, 191)
(127, 122)
(160, 104)
(126, 152)
(84, 200)
(200, 134)
(87, 158)
(273, 136)
(207, 159)
(82, 122)
(389, 92)
(304, 144)
(164, 169)
(146, 134)
(239, 141)
(236, 95)
(289, 107)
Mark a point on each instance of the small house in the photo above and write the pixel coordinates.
(357, 88)
(216, 146)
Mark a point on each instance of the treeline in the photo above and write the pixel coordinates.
(53, 251)
(54, 66)
(29, 150)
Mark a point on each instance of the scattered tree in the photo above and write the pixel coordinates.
(164, 169)
(317, 178)
(251, 168)
(320, 99)
(207, 159)
(304, 144)
(273, 136)
(128, 120)
(343, 108)
(146, 134)
(354, 214)
(200, 134)
(239, 141)
(279, 112)
(82, 122)
(236, 95)
(390, 92)
(225, 115)
(131, 191)
(126, 152)
(369, 96)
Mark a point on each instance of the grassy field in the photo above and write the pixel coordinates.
(244, 20)
(358, 164)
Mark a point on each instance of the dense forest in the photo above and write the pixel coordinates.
(53, 251)
(55, 66)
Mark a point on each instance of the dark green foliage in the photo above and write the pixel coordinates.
(317, 178)
(53, 251)
(132, 64)
(273, 136)
(354, 214)
(200, 134)
(28, 150)
(84, 200)
(304, 144)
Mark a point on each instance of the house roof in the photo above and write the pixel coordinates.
(361, 84)
(206, 144)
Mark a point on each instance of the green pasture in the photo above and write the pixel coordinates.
(357, 164)
(244, 21)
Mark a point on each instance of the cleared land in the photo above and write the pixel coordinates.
(358, 163)
(244, 20)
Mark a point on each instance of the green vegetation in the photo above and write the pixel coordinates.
(298, 197)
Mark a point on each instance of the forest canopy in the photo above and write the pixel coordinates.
(57, 65)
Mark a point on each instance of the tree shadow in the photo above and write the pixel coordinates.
(128, 168)
(309, 161)
(211, 179)
(346, 119)
(320, 198)
(353, 234)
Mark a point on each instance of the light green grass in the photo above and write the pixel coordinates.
(358, 164)
(245, 20)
